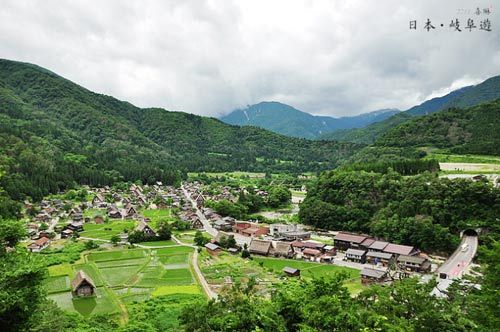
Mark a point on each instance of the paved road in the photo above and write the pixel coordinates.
(206, 224)
(201, 278)
(53, 224)
(240, 239)
(456, 265)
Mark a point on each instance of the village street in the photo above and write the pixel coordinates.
(240, 239)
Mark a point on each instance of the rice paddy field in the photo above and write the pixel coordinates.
(124, 277)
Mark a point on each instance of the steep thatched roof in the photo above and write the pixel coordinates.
(260, 247)
(79, 278)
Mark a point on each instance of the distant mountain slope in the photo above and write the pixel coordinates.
(474, 130)
(54, 133)
(486, 91)
(286, 120)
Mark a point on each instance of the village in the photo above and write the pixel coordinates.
(106, 213)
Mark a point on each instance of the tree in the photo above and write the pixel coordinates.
(245, 253)
(279, 196)
(164, 231)
(199, 239)
(115, 239)
(43, 226)
(11, 232)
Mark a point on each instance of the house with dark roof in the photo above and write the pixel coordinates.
(260, 247)
(282, 249)
(355, 255)
(399, 249)
(212, 248)
(414, 263)
(370, 276)
(344, 241)
(39, 244)
(82, 285)
(144, 228)
(378, 246)
(383, 258)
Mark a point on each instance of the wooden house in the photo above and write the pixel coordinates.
(82, 285)
(355, 255)
(398, 249)
(344, 241)
(378, 246)
(39, 244)
(213, 249)
(144, 228)
(282, 249)
(414, 263)
(260, 247)
(370, 276)
(375, 257)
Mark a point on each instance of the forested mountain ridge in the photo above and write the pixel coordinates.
(287, 120)
(473, 130)
(55, 133)
(486, 91)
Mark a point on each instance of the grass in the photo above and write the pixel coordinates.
(442, 156)
(307, 269)
(189, 289)
(57, 284)
(117, 254)
(158, 243)
(107, 230)
(157, 215)
(94, 212)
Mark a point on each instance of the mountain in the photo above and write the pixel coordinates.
(286, 120)
(55, 133)
(473, 130)
(486, 91)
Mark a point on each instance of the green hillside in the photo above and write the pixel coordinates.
(473, 130)
(486, 91)
(54, 133)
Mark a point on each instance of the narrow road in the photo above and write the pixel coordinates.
(201, 278)
(53, 223)
(206, 224)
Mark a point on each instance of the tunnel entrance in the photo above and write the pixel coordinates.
(470, 232)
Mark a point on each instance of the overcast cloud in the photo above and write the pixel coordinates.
(209, 57)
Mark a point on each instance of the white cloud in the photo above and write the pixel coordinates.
(209, 57)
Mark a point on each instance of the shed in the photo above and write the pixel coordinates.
(290, 271)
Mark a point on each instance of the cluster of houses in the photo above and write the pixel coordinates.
(365, 249)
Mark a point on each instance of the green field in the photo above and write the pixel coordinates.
(444, 157)
(107, 230)
(123, 277)
(157, 215)
(158, 243)
(307, 269)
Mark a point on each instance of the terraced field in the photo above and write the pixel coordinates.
(123, 277)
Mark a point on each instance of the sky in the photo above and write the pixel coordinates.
(335, 58)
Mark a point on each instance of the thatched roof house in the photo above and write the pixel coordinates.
(260, 247)
(82, 285)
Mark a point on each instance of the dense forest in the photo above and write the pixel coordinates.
(55, 134)
(424, 210)
(464, 131)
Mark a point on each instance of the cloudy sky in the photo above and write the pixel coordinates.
(210, 57)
